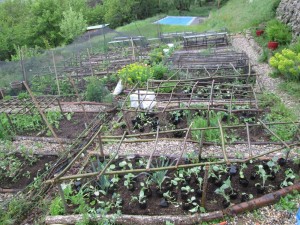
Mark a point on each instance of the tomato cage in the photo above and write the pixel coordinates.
(211, 61)
(206, 40)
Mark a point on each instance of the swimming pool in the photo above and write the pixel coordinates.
(177, 20)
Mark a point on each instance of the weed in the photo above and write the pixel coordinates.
(289, 202)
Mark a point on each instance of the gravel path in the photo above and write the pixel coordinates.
(248, 45)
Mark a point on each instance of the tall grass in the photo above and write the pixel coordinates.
(235, 15)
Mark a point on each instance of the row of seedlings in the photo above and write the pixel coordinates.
(183, 181)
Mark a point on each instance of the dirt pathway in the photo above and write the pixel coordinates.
(248, 45)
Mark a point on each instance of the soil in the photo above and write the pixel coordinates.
(72, 128)
(23, 181)
(165, 123)
(214, 200)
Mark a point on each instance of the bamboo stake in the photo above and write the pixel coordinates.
(22, 65)
(201, 144)
(184, 144)
(248, 139)
(55, 71)
(61, 193)
(283, 142)
(91, 67)
(151, 155)
(43, 115)
(79, 100)
(89, 175)
(205, 184)
(77, 156)
(100, 145)
(223, 141)
(100, 173)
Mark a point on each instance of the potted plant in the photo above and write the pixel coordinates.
(259, 32)
(277, 33)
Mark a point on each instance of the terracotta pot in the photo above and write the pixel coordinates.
(259, 32)
(272, 45)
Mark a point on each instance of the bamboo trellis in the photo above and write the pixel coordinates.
(225, 159)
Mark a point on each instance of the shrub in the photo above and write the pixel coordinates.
(277, 31)
(96, 90)
(287, 63)
(158, 71)
(135, 73)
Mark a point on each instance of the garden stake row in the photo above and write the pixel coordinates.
(232, 161)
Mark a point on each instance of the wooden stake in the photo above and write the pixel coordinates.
(100, 145)
(205, 184)
(43, 115)
(223, 141)
(56, 75)
(61, 193)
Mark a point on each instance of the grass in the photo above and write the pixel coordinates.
(290, 87)
(249, 15)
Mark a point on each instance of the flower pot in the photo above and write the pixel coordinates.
(159, 193)
(244, 182)
(260, 189)
(281, 161)
(184, 195)
(245, 197)
(143, 205)
(199, 192)
(225, 203)
(259, 32)
(186, 206)
(234, 195)
(272, 45)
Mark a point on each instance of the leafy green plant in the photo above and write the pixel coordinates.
(287, 63)
(159, 71)
(166, 87)
(141, 198)
(56, 207)
(277, 31)
(96, 90)
(289, 178)
(135, 73)
(289, 202)
(263, 175)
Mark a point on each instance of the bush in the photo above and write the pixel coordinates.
(277, 31)
(96, 90)
(135, 73)
(158, 71)
(287, 63)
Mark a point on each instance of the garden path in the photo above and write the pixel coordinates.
(247, 44)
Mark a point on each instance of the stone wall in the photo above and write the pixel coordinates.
(288, 12)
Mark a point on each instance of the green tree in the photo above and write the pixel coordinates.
(72, 24)
(119, 12)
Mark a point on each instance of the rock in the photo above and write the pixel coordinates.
(288, 13)
(163, 203)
